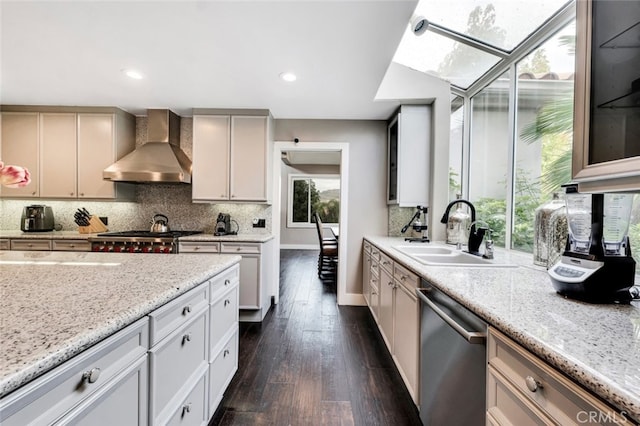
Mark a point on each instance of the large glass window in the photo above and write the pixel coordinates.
(313, 193)
(544, 130)
(456, 136)
(489, 156)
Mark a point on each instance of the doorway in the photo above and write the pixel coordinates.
(324, 149)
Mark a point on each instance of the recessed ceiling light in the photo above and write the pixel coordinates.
(136, 75)
(288, 76)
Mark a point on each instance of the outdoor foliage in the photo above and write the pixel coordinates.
(305, 193)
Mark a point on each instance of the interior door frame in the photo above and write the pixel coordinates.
(343, 148)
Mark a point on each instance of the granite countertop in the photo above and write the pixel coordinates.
(597, 346)
(54, 305)
(240, 238)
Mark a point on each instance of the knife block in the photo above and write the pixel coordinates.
(95, 226)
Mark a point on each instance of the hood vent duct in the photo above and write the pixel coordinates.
(160, 160)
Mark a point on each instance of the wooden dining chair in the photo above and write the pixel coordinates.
(328, 257)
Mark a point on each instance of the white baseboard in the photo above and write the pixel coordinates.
(353, 299)
(299, 247)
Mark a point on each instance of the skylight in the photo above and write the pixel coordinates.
(466, 38)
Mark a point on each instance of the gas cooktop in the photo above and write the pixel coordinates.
(149, 234)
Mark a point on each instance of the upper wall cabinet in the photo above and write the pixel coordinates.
(408, 159)
(231, 156)
(606, 151)
(66, 150)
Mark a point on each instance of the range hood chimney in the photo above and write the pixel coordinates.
(160, 160)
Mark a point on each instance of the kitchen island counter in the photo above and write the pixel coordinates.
(54, 305)
(598, 346)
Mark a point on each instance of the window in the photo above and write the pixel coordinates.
(489, 159)
(544, 130)
(313, 193)
(455, 147)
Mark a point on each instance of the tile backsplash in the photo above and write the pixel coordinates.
(172, 200)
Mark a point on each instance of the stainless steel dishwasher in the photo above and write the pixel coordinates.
(452, 361)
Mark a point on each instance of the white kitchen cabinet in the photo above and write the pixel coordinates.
(122, 402)
(406, 329)
(58, 155)
(192, 411)
(31, 244)
(396, 310)
(386, 310)
(71, 245)
(231, 157)
(198, 247)
(254, 297)
(19, 146)
(522, 389)
(366, 272)
(102, 140)
(66, 150)
(409, 156)
(84, 379)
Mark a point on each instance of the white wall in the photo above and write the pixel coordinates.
(298, 236)
(367, 214)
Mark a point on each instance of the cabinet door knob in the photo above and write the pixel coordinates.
(226, 302)
(82, 194)
(390, 283)
(186, 310)
(33, 193)
(225, 353)
(227, 282)
(71, 193)
(186, 338)
(532, 384)
(92, 375)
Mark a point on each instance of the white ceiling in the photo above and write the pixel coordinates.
(207, 54)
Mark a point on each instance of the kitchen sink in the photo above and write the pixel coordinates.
(447, 256)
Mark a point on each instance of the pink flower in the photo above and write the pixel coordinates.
(14, 176)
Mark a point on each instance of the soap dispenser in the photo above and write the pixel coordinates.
(458, 225)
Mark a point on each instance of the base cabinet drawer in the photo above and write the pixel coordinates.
(71, 245)
(31, 244)
(178, 312)
(174, 362)
(223, 316)
(192, 411)
(51, 396)
(198, 247)
(5, 245)
(121, 402)
(222, 369)
(539, 385)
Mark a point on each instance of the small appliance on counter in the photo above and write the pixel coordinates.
(596, 265)
(223, 225)
(37, 218)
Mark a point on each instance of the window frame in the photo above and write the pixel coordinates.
(305, 176)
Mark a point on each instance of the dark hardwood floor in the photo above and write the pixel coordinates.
(311, 362)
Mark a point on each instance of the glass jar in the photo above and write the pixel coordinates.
(550, 232)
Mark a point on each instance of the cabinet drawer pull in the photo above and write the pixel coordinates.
(186, 408)
(532, 384)
(196, 248)
(226, 302)
(225, 353)
(373, 293)
(390, 283)
(186, 310)
(92, 375)
(227, 282)
(186, 338)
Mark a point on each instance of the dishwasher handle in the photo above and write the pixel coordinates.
(473, 337)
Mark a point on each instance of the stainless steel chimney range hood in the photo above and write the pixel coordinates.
(160, 160)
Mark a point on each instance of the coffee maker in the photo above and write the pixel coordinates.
(223, 225)
(596, 265)
(37, 218)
